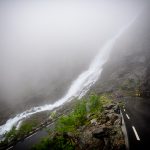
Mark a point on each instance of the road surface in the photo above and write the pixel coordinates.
(29, 141)
(136, 115)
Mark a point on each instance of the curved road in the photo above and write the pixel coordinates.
(136, 114)
(38, 134)
(29, 141)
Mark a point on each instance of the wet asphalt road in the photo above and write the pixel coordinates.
(30, 141)
(136, 114)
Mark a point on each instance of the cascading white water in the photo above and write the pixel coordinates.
(78, 88)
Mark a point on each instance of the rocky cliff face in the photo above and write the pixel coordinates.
(129, 66)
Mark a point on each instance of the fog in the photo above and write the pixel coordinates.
(45, 45)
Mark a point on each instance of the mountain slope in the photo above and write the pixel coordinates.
(129, 61)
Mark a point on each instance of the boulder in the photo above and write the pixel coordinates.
(111, 111)
(99, 133)
(113, 117)
(89, 116)
(109, 106)
(106, 112)
(118, 122)
(117, 109)
(108, 123)
(94, 121)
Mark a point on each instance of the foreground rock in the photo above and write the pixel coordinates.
(93, 124)
(100, 133)
(105, 134)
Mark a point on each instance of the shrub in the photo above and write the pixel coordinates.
(43, 145)
(71, 122)
(95, 103)
(11, 135)
(26, 128)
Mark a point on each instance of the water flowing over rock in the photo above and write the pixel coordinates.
(78, 88)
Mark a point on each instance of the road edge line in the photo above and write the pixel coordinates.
(136, 134)
(124, 130)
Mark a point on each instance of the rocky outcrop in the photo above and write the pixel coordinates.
(102, 132)
(105, 133)
(129, 67)
(98, 127)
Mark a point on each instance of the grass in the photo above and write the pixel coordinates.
(15, 134)
(26, 128)
(67, 123)
(72, 122)
(78, 117)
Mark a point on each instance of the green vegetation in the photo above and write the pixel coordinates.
(52, 115)
(26, 128)
(55, 143)
(77, 118)
(70, 123)
(15, 134)
(11, 135)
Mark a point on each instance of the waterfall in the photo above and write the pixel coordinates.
(77, 89)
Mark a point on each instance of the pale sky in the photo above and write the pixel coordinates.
(46, 44)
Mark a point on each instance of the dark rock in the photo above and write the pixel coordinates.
(111, 111)
(108, 123)
(118, 122)
(109, 116)
(107, 144)
(81, 128)
(117, 109)
(89, 116)
(99, 133)
(109, 106)
(113, 117)
(106, 111)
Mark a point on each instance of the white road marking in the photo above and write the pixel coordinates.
(124, 109)
(127, 116)
(9, 148)
(31, 135)
(136, 134)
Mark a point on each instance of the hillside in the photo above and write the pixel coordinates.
(129, 67)
(95, 121)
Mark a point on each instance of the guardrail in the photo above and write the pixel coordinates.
(124, 130)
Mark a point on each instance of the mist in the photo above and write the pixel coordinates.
(45, 45)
